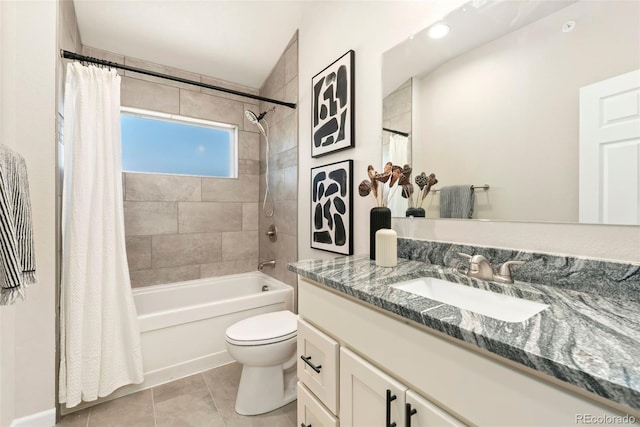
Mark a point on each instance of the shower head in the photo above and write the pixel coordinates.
(251, 116)
(255, 119)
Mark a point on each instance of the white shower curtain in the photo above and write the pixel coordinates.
(398, 155)
(99, 336)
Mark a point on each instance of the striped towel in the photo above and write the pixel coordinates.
(457, 201)
(17, 260)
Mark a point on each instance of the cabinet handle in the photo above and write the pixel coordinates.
(305, 425)
(307, 360)
(408, 412)
(390, 398)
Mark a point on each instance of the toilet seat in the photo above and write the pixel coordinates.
(268, 328)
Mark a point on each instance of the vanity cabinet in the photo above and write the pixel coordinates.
(447, 382)
(311, 413)
(368, 396)
(371, 398)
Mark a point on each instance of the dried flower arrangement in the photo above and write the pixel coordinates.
(424, 183)
(381, 185)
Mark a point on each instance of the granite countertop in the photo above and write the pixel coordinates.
(584, 339)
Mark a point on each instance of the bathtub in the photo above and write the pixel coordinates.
(182, 325)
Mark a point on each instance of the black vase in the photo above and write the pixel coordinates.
(415, 212)
(378, 218)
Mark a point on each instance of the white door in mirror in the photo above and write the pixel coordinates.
(490, 304)
(610, 150)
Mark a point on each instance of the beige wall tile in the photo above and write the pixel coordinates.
(287, 215)
(149, 96)
(228, 267)
(290, 183)
(144, 218)
(248, 145)
(239, 245)
(275, 80)
(208, 107)
(284, 136)
(285, 159)
(157, 187)
(250, 212)
(138, 252)
(242, 189)
(157, 276)
(163, 69)
(232, 86)
(291, 62)
(185, 249)
(248, 167)
(206, 217)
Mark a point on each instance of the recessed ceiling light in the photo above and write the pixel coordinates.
(438, 31)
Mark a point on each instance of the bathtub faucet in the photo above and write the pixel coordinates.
(263, 264)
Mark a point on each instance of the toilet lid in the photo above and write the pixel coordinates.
(263, 329)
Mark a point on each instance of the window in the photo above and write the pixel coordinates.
(165, 143)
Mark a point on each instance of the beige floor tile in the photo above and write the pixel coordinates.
(223, 384)
(134, 410)
(76, 419)
(277, 418)
(292, 412)
(185, 402)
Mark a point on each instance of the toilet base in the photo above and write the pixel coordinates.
(264, 389)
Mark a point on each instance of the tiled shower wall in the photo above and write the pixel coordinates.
(178, 227)
(281, 84)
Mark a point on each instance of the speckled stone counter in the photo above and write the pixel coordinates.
(589, 340)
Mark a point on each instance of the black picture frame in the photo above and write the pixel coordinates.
(332, 207)
(333, 107)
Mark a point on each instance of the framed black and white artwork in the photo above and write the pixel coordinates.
(331, 207)
(332, 107)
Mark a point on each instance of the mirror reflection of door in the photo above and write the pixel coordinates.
(610, 150)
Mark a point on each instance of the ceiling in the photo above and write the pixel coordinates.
(237, 41)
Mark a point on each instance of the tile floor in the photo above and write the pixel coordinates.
(205, 399)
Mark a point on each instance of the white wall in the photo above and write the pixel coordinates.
(330, 29)
(27, 112)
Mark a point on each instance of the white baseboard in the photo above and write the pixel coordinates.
(41, 419)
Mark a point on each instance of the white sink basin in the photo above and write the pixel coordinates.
(487, 303)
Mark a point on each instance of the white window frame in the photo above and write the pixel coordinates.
(176, 118)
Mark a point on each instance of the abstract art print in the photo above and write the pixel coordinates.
(332, 111)
(331, 207)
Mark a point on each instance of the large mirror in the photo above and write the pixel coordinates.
(534, 104)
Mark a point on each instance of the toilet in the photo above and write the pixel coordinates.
(266, 347)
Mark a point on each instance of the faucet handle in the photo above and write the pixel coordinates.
(504, 271)
(479, 266)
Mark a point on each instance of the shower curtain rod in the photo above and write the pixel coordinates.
(397, 132)
(71, 55)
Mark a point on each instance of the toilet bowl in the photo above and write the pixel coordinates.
(266, 347)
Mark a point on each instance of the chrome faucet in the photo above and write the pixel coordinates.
(480, 268)
(270, 263)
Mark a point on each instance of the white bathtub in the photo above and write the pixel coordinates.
(182, 325)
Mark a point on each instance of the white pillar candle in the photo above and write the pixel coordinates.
(386, 248)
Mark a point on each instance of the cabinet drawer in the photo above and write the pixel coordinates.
(311, 413)
(428, 414)
(318, 364)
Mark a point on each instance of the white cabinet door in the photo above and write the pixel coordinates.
(368, 396)
(318, 364)
(311, 413)
(610, 151)
(422, 413)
